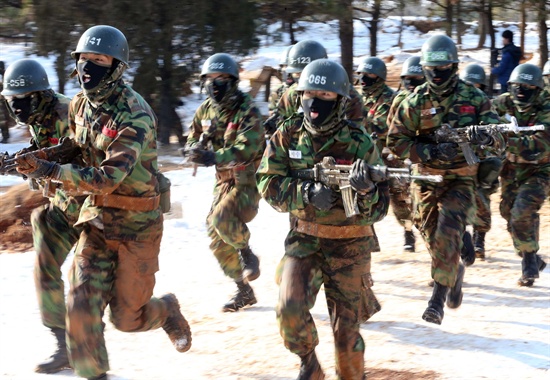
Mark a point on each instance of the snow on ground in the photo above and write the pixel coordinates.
(501, 331)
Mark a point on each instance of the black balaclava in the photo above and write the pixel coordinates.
(21, 108)
(412, 83)
(90, 74)
(446, 79)
(523, 97)
(322, 107)
(222, 92)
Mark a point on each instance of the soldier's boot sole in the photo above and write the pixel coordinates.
(57, 363)
(176, 326)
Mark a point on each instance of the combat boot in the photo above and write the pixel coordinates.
(454, 298)
(479, 244)
(59, 360)
(243, 297)
(468, 254)
(103, 376)
(530, 265)
(434, 313)
(251, 264)
(310, 369)
(410, 241)
(176, 326)
(541, 263)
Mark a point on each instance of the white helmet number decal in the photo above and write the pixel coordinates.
(216, 66)
(317, 79)
(93, 41)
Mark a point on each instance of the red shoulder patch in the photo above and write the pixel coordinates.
(53, 140)
(467, 109)
(344, 162)
(111, 133)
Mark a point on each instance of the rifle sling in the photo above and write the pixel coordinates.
(124, 202)
(324, 231)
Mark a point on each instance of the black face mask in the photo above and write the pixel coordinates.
(288, 79)
(22, 108)
(367, 81)
(91, 74)
(322, 107)
(412, 83)
(439, 77)
(522, 95)
(217, 88)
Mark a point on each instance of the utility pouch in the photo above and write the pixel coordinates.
(164, 188)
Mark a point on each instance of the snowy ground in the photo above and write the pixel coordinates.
(501, 331)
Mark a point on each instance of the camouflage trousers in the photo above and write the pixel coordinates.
(520, 203)
(53, 239)
(232, 208)
(441, 213)
(482, 219)
(120, 274)
(400, 196)
(343, 264)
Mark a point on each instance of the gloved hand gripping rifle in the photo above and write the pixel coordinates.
(64, 152)
(332, 174)
(460, 136)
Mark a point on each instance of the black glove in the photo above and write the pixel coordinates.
(478, 136)
(34, 167)
(270, 125)
(360, 177)
(202, 156)
(319, 196)
(444, 151)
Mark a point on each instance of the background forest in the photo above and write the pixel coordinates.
(169, 40)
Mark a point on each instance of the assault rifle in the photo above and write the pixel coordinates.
(460, 136)
(64, 152)
(206, 135)
(330, 173)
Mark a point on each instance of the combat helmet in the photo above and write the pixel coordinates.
(283, 60)
(438, 50)
(220, 63)
(473, 73)
(24, 76)
(303, 53)
(412, 67)
(528, 74)
(324, 75)
(103, 39)
(373, 65)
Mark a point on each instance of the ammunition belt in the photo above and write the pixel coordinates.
(124, 202)
(332, 232)
(518, 160)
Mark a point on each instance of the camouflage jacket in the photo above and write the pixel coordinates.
(236, 135)
(293, 148)
(377, 104)
(289, 104)
(48, 129)
(422, 113)
(529, 146)
(275, 96)
(118, 144)
(397, 99)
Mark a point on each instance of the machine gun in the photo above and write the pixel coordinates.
(447, 134)
(64, 152)
(330, 174)
(493, 62)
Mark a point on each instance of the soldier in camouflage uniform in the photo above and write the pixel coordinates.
(442, 210)
(5, 120)
(229, 121)
(489, 167)
(31, 101)
(299, 56)
(525, 175)
(321, 237)
(121, 220)
(412, 76)
(270, 124)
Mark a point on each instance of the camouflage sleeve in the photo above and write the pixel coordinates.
(354, 107)
(487, 115)
(121, 156)
(248, 143)
(533, 146)
(195, 129)
(274, 99)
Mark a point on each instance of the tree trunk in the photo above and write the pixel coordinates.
(345, 32)
(449, 18)
(522, 26)
(542, 16)
(373, 28)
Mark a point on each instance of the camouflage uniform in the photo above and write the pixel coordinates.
(441, 210)
(237, 137)
(117, 254)
(344, 263)
(5, 120)
(52, 225)
(275, 96)
(525, 175)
